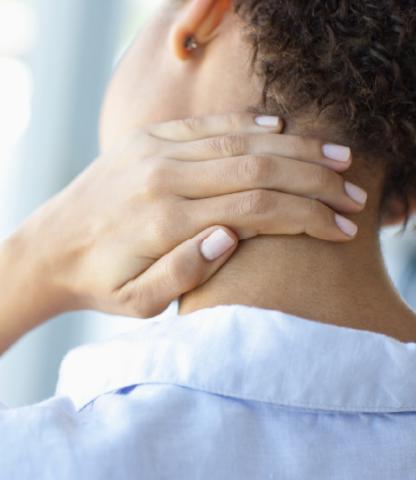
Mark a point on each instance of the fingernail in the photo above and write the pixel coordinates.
(356, 193)
(267, 121)
(336, 152)
(216, 245)
(348, 227)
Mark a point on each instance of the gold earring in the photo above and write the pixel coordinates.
(191, 44)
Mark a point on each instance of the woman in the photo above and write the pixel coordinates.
(233, 391)
(103, 243)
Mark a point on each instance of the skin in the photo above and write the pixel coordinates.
(171, 185)
(174, 183)
(343, 284)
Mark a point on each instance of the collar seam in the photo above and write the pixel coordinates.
(266, 399)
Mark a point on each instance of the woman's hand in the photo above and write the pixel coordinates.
(128, 235)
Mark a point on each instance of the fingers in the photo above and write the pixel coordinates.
(216, 125)
(218, 177)
(265, 212)
(336, 157)
(183, 269)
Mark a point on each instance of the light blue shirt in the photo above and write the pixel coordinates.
(230, 392)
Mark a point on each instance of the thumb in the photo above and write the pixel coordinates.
(183, 269)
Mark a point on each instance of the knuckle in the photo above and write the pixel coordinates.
(317, 213)
(314, 208)
(165, 226)
(157, 228)
(158, 231)
(191, 124)
(311, 215)
(141, 310)
(155, 177)
(134, 303)
(237, 144)
(256, 170)
(318, 217)
(228, 146)
(183, 275)
(145, 310)
(322, 178)
(256, 202)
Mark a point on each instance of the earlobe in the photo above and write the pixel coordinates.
(183, 43)
(197, 26)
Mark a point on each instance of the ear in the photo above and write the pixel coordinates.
(199, 21)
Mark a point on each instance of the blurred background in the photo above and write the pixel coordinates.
(55, 60)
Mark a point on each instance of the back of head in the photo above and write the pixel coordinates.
(349, 66)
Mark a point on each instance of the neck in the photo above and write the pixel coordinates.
(341, 284)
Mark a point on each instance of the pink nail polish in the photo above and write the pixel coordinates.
(267, 121)
(356, 193)
(216, 245)
(346, 226)
(338, 153)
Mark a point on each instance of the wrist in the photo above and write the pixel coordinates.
(39, 246)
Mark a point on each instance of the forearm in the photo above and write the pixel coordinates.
(27, 298)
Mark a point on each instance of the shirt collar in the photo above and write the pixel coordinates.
(252, 354)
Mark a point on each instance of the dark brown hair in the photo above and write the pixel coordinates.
(351, 61)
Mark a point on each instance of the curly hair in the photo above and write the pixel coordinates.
(351, 61)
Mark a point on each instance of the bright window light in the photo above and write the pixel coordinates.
(15, 95)
(17, 28)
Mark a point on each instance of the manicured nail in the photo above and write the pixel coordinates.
(267, 121)
(336, 152)
(348, 227)
(216, 245)
(356, 193)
